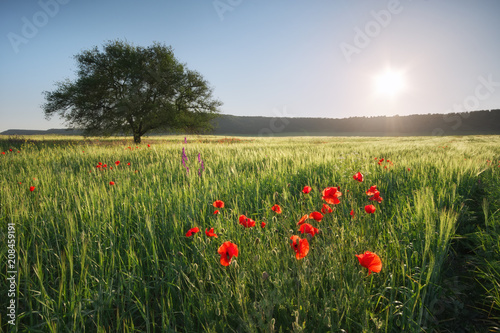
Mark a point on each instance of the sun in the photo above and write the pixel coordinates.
(389, 83)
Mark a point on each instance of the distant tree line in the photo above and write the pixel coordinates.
(476, 122)
(470, 123)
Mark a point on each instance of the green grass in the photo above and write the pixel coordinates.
(96, 257)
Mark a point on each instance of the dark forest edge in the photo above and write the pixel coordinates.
(486, 122)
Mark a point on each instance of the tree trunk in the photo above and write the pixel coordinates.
(137, 138)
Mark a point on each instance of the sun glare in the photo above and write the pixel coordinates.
(389, 83)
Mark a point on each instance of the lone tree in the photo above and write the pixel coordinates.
(126, 89)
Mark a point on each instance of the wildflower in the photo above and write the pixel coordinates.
(276, 209)
(370, 209)
(246, 222)
(111, 183)
(303, 219)
(218, 204)
(149, 146)
(331, 194)
(202, 165)
(32, 188)
(371, 261)
(210, 233)
(376, 197)
(306, 189)
(316, 215)
(117, 163)
(300, 246)
(128, 163)
(326, 209)
(262, 225)
(184, 158)
(192, 231)
(372, 190)
(358, 177)
(308, 229)
(227, 251)
(216, 212)
(352, 212)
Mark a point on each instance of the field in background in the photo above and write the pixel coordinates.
(99, 257)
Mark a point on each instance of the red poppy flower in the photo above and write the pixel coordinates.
(352, 212)
(117, 162)
(3, 153)
(358, 177)
(409, 169)
(210, 233)
(277, 209)
(105, 166)
(192, 231)
(111, 183)
(308, 229)
(316, 215)
(149, 146)
(100, 163)
(32, 188)
(262, 225)
(246, 222)
(371, 261)
(218, 204)
(10, 149)
(330, 195)
(300, 246)
(303, 219)
(227, 251)
(326, 209)
(128, 163)
(216, 212)
(381, 160)
(376, 197)
(307, 189)
(370, 209)
(372, 190)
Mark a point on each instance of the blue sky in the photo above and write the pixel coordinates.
(275, 58)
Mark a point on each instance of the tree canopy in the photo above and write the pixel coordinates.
(127, 89)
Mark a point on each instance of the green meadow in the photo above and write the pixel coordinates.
(96, 257)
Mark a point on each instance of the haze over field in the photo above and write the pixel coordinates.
(277, 59)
